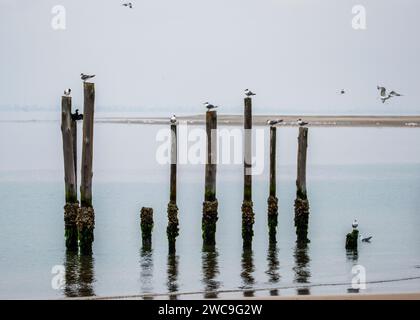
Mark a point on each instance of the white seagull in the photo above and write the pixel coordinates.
(128, 4)
(384, 96)
(67, 92)
(209, 106)
(249, 93)
(274, 122)
(301, 123)
(85, 77)
(365, 239)
(173, 119)
(355, 224)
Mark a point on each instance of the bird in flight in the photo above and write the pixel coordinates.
(85, 77)
(67, 92)
(76, 116)
(342, 91)
(301, 123)
(173, 119)
(274, 122)
(384, 96)
(249, 93)
(209, 106)
(128, 4)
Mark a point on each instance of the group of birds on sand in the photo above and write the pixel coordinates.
(383, 95)
(355, 224)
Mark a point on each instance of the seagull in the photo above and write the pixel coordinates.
(128, 4)
(67, 92)
(274, 122)
(355, 224)
(209, 106)
(367, 239)
(249, 93)
(384, 96)
(301, 123)
(76, 116)
(173, 119)
(85, 77)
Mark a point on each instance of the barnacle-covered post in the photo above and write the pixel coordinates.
(210, 203)
(72, 205)
(301, 202)
(247, 205)
(172, 229)
(86, 214)
(272, 199)
(146, 224)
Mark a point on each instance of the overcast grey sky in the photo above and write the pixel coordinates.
(165, 54)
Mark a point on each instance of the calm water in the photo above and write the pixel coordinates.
(369, 174)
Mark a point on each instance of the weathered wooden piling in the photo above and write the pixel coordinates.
(351, 240)
(86, 215)
(72, 205)
(272, 199)
(172, 230)
(74, 134)
(146, 224)
(248, 216)
(210, 203)
(301, 202)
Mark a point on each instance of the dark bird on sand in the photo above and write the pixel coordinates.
(85, 77)
(76, 116)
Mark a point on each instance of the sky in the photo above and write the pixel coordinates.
(166, 55)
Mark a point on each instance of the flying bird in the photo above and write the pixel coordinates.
(76, 116)
(365, 239)
(173, 119)
(249, 93)
(301, 123)
(67, 92)
(342, 91)
(355, 224)
(209, 106)
(274, 122)
(85, 77)
(384, 96)
(128, 4)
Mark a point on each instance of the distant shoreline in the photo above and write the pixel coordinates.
(288, 120)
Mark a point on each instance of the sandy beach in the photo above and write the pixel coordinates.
(288, 120)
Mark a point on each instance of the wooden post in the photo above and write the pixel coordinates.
(210, 203)
(86, 216)
(146, 223)
(71, 207)
(247, 205)
(272, 199)
(172, 230)
(301, 202)
(74, 134)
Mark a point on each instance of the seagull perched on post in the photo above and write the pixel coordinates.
(301, 123)
(274, 122)
(76, 116)
(67, 92)
(355, 224)
(128, 4)
(209, 106)
(173, 119)
(85, 77)
(249, 93)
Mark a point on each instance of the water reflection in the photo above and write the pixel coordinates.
(146, 270)
(273, 267)
(302, 268)
(172, 282)
(210, 271)
(79, 276)
(247, 272)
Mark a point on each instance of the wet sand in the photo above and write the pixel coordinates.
(288, 120)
